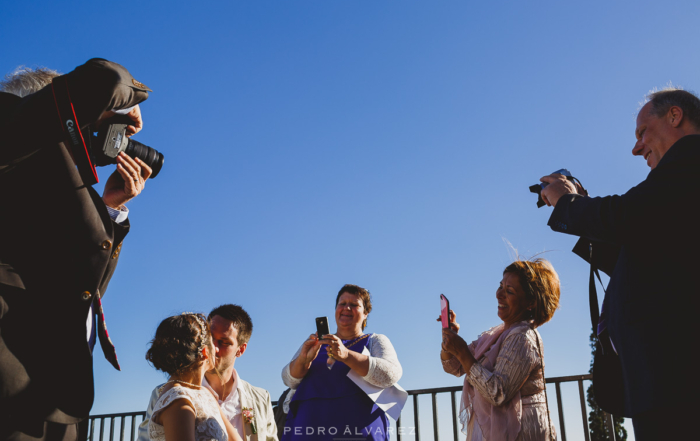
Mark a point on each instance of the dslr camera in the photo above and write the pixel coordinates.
(537, 188)
(91, 150)
(111, 140)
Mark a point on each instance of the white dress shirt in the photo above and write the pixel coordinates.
(231, 405)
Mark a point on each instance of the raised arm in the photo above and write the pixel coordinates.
(451, 364)
(618, 219)
(95, 87)
(516, 360)
(296, 370)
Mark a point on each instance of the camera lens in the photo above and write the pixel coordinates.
(150, 156)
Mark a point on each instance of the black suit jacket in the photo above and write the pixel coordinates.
(652, 298)
(58, 250)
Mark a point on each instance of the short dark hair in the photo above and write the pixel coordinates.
(241, 320)
(663, 100)
(176, 347)
(360, 292)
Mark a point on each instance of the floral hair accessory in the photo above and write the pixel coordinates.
(200, 321)
(249, 417)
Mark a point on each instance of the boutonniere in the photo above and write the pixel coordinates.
(249, 417)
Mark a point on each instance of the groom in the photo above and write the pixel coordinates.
(231, 328)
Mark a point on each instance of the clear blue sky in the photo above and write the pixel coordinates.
(388, 144)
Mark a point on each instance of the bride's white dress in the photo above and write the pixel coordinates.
(208, 423)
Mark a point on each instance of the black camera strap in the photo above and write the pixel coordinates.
(599, 329)
(71, 130)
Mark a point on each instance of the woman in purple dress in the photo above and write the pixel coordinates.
(325, 403)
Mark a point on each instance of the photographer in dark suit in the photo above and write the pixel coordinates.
(59, 245)
(651, 305)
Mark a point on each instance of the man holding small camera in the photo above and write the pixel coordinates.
(59, 241)
(651, 305)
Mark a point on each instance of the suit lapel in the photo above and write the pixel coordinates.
(247, 429)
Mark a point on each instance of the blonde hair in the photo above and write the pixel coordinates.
(541, 285)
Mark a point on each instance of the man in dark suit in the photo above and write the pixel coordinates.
(651, 304)
(59, 246)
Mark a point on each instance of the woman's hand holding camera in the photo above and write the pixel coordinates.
(309, 350)
(454, 326)
(308, 353)
(451, 317)
(454, 346)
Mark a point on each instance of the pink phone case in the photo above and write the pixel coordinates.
(444, 311)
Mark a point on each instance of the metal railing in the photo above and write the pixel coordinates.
(112, 417)
(120, 419)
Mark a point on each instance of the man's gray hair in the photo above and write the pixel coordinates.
(662, 100)
(26, 81)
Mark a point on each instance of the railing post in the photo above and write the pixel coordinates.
(92, 429)
(610, 424)
(455, 416)
(436, 433)
(583, 411)
(398, 428)
(121, 429)
(416, 416)
(133, 426)
(102, 429)
(111, 429)
(560, 408)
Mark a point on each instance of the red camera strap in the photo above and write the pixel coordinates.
(71, 130)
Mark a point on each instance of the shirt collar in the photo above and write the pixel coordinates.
(233, 392)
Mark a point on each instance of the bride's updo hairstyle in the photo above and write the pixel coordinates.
(178, 344)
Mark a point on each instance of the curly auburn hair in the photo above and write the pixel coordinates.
(177, 346)
(541, 284)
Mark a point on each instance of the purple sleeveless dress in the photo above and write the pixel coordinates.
(327, 405)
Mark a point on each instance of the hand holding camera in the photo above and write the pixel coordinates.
(127, 181)
(556, 185)
(309, 350)
(134, 115)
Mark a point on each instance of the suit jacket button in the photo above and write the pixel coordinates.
(86, 296)
(106, 245)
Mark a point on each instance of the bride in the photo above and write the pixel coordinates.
(185, 410)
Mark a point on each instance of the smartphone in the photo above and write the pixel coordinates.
(322, 326)
(444, 311)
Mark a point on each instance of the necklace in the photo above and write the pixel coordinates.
(329, 350)
(184, 382)
(362, 337)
